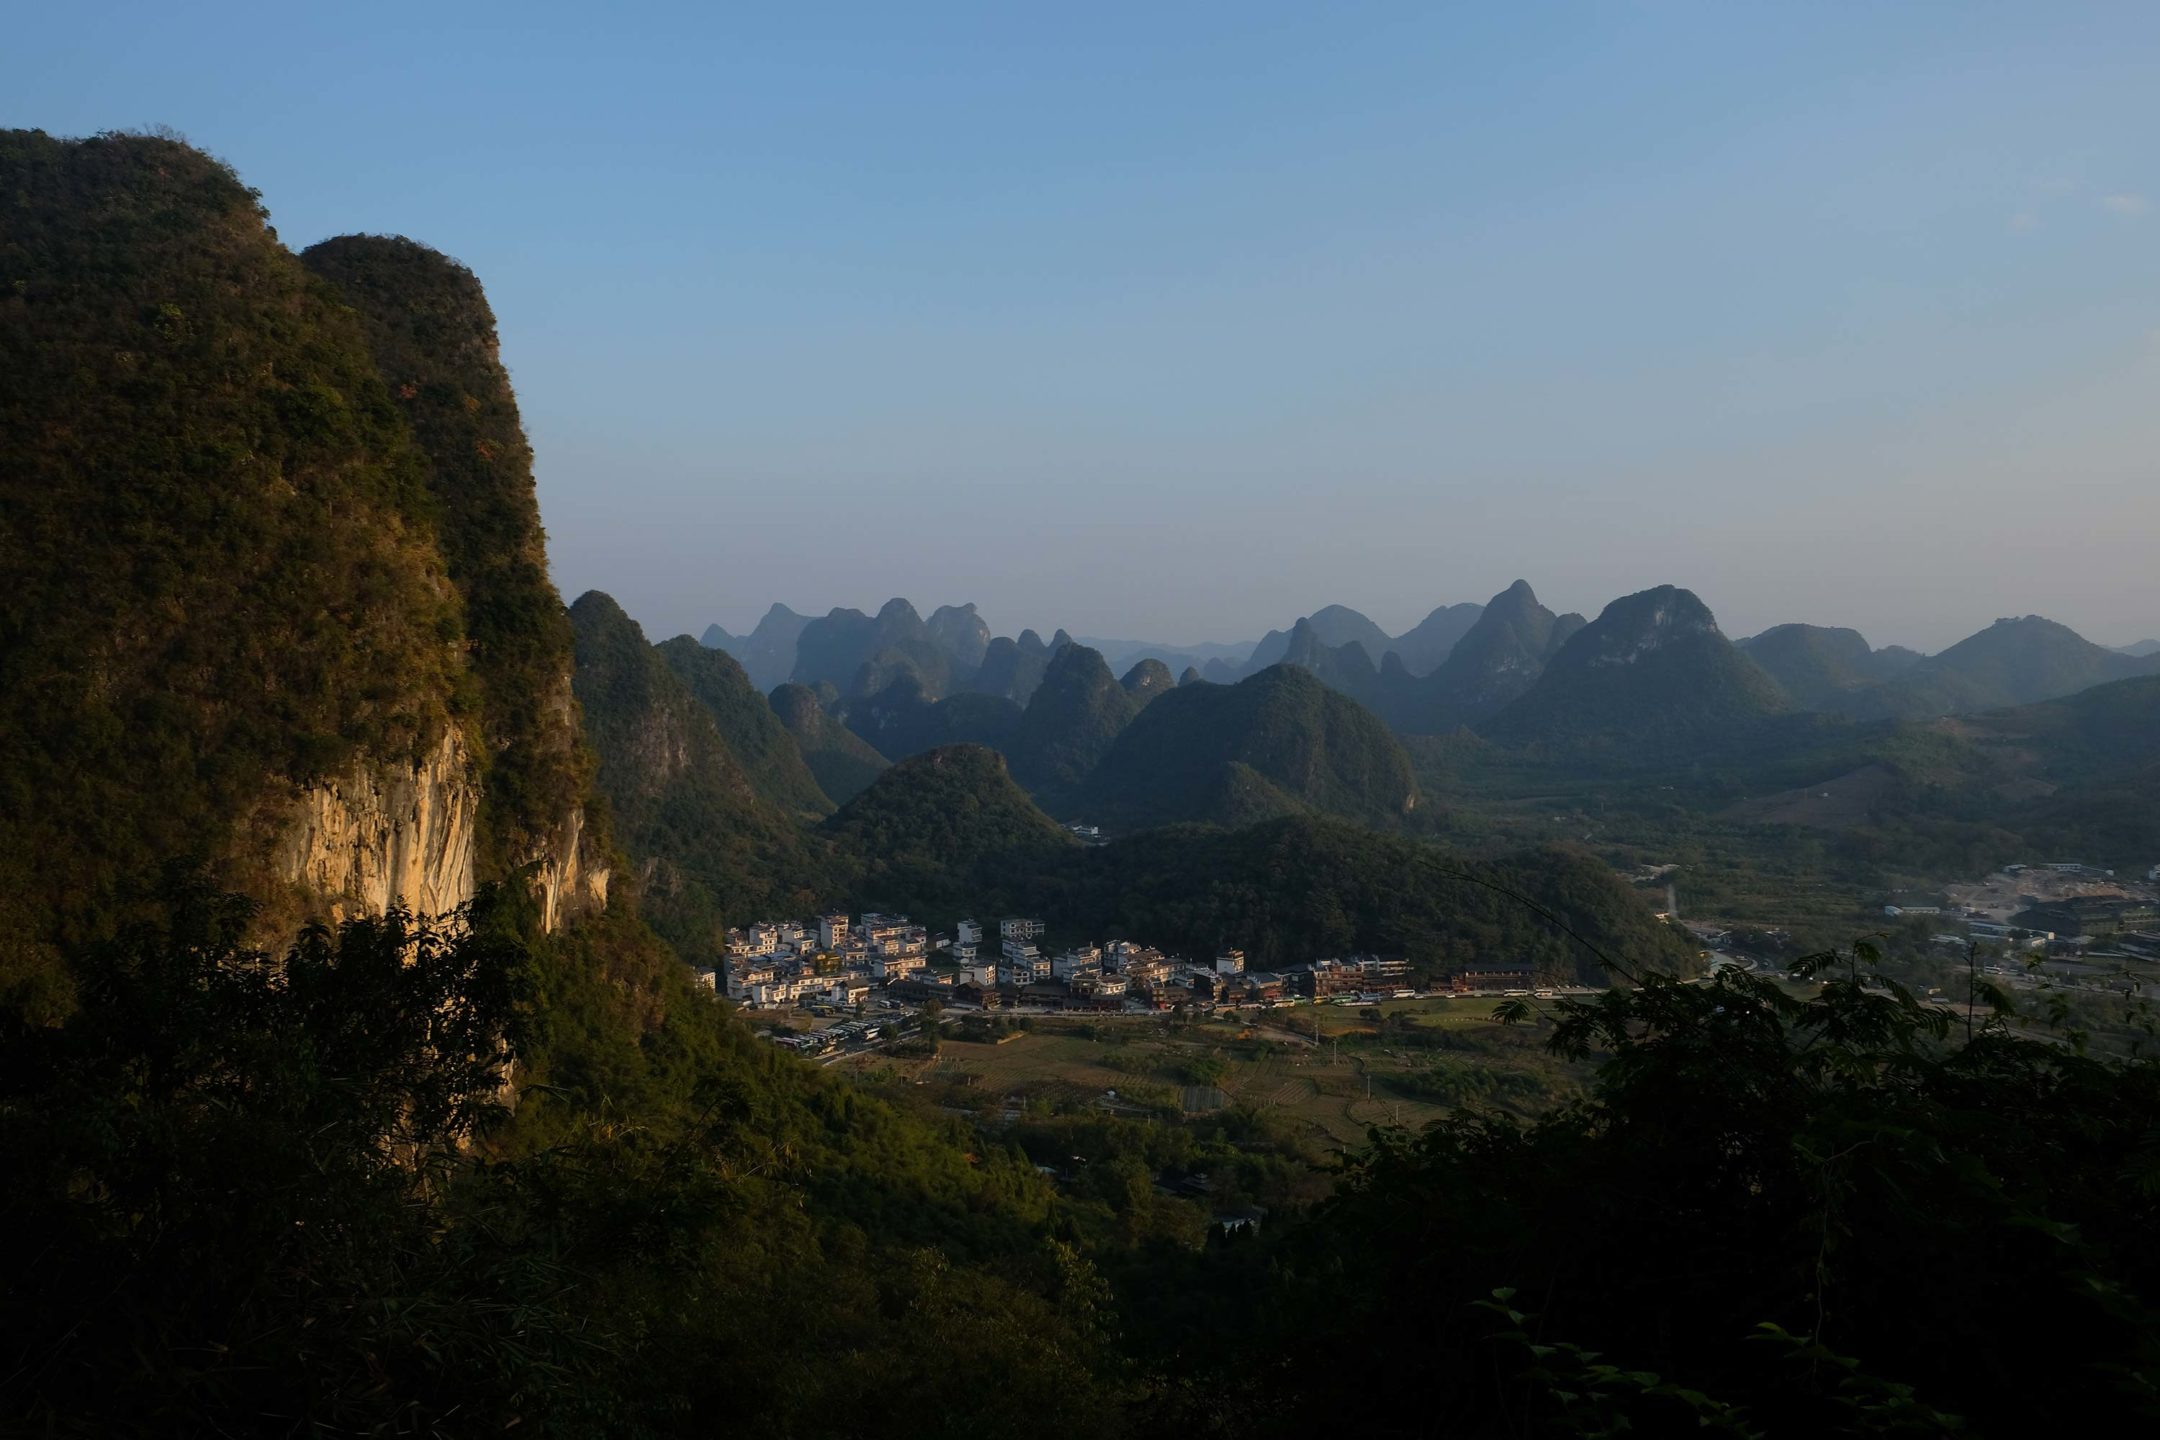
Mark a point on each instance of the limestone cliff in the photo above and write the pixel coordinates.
(382, 834)
(378, 835)
(571, 878)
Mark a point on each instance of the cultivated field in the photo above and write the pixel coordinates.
(1333, 1090)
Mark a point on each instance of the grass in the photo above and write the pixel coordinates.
(1332, 1092)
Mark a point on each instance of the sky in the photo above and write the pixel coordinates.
(1177, 321)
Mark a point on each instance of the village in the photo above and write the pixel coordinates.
(840, 964)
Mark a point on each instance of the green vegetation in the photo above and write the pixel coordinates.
(2012, 662)
(1146, 680)
(904, 719)
(941, 832)
(252, 1194)
(1302, 887)
(1820, 667)
(753, 732)
(1650, 677)
(862, 654)
(1756, 1183)
(1497, 660)
(1070, 722)
(710, 851)
(843, 762)
(217, 540)
(433, 338)
(1278, 743)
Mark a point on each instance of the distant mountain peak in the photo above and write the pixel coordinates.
(1640, 624)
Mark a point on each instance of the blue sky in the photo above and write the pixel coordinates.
(1182, 320)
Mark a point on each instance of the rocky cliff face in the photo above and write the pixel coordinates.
(379, 835)
(571, 879)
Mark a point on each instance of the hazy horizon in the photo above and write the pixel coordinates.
(1172, 324)
(658, 628)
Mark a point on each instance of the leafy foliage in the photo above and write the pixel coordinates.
(942, 831)
(1302, 887)
(754, 734)
(217, 541)
(711, 852)
(904, 719)
(1760, 1187)
(249, 1200)
(433, 338)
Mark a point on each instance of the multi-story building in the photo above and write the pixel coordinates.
(895, 967)
(1022, 964)
(1230, 962)
(832, 931)
(1086, 960)
(744, 977)
(967, 932)
(1490, 976)
(1019, 929)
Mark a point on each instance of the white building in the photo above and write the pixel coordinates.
(896, 967)
(967, 932)
(1230, 962)
(1087, 960)
(832, 931)
(1017, 929)
(1024, 967)
(742, 979)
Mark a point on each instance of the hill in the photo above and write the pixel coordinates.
(962, 633)
(2013, 662)
(1011, 668)
(1499, 658)
(432, 334)
(903, 719)
(862, 654)
(1431, 640)
(767, 653)
(1651, 675)
(1300, 886)
(1069, 724)
(2077, 778)
(842, 762)
(1146, 680)
(2139, 649)
(1819, 667)
(1280, 742)
(232, 630)
(709, 851)
(942, 831)
(755, 736)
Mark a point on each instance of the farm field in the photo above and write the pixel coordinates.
(1331, 1092)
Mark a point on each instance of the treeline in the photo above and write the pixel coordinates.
(254, 1193)
(257, 1193)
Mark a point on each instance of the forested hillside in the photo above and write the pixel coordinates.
(1278, 743)
(842, 761)
(218, 540)
(755, 734)
(433, 338)
(710, 851)
(279, 1155)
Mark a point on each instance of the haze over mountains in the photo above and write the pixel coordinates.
(1461, 667)
(282, 648)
